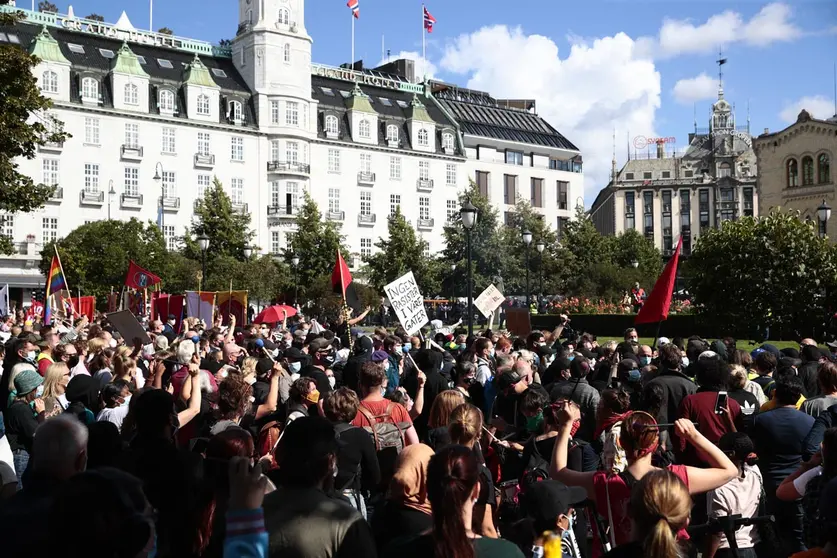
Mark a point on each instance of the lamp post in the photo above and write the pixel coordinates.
(823, 214)
(540, 247)
(158, 179)
(111, 193)
(203, 244)
(468, 214)
(527, 240)
(452, 282)
(295, 261)
(248, 251)
(635, 264)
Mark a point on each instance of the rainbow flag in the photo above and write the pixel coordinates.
(56, 282)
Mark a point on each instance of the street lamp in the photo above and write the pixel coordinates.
(540, 248)
(527, 240)
(295, 262)
(452, 282)
(248, 251)
(203, 244)
(158, 179)
(468, 214)
(824, 214)
(111, 193)
(635, 264)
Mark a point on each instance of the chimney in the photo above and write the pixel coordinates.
(661, 150)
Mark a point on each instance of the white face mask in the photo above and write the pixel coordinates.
(32, 355)
(331, 381)
(295, 367)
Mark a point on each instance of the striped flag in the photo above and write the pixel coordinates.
(429, 20)
(354, 5)
(55, 283)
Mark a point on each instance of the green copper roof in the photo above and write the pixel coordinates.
(359, 101)
(46, 48)
(198, 74)
(126, 62)
(418, 111)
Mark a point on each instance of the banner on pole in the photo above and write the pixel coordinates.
(489, 300)
(406, 300)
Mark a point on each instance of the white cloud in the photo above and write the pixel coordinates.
(698, 88)
(600, 85)
(771, 24)
(818, 106)
(423, 66)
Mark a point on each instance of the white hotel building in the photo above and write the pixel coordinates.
(269, 123)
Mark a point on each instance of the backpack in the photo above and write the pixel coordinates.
(389, 438)
(613, 456)
(269, 436)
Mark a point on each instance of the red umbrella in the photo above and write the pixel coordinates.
(274, 314)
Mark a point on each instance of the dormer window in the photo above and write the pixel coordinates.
(284, 17)
(423, 138)
(331, 126)
(392, 133)
(203, 105)
(364, 129)
(287, 53)
(447, 142)
(89, 89)
(166, 101)
(235, 111)
(49, 82)
(131, 94)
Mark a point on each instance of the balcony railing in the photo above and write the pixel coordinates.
(169, 203)
(729, 205)
(292, 167)
(204, 160)
(56, 196)
(366, 178)
(338, 216)
(278, 213)
(132, 152)
(425, 223)
(366, 219)
(92, 198)
(52, 146)
(424, 184)
(130, 200)
(239, 207)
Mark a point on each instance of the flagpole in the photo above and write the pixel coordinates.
(352, 15)
(423, 46)
(67, 283)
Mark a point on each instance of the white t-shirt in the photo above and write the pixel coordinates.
(740, 496)
(115, 415)
(800, 483)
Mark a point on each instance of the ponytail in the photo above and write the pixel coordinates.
(452, 475)
(661, 542)
(660, 506)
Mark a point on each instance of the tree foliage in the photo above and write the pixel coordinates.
(95, 17)
(228, 230)
(315, 242)
(757, 273)
(165, 31)
(263, 278)
(20, 101)
(47, 7)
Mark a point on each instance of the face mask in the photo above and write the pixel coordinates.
(295, 367)
(313, 397)
(634, 376)
(31, 356)
(571, 358)
(126, 401)
(383, 391)
(685, 361)
(275, 353)
(72, 362)
(264, 332)
(491, 353)
(328, 360)
(39, 391)
(533, 424)
(406, 348)
(470, 380)
(645, 360)
(634, 342)
(463, 347)
(331, 381)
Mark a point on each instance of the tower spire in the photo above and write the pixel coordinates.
(613, 161)
(721, 62)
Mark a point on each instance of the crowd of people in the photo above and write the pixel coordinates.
(308, 439)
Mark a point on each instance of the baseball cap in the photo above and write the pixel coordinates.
(319, 344)
(546, 500)
(508, 379)
(379, 356)
(832, 345)
(293, 354)
(663, 341)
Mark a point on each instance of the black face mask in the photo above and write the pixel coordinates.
(72, 362)
(469, 381)
(328, 360)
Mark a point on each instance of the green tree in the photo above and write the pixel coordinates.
(228, 230)
(263, 278)
(315, 242)
(752, 274)
(165, 31)
(95, 17)
(25, 127)
(400, 252)
(47, 7)
(630, 246)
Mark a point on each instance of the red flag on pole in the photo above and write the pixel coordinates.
(341, 277)
(658, 302)
(354, 5)
(139, 278)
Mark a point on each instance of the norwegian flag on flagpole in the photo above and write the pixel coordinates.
(354, 5)
(429, 20)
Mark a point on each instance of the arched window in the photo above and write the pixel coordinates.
(792, 173)
(447, 141)
(364, 129)
(49, 82)
(724, 169)
(331, 125)
(90, 89)
(131, 94)
(807, 171)
(423, 138)
(392, 133)
(235, 111)
(284, 16)
(166, 101)
(287, 53)
(823, 169)
(203, 105)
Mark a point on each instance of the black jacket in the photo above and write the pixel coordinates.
(826, 420)
(808, 374)
(676, 386)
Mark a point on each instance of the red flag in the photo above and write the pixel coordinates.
(658, 302)
(85, 306)
(139, 278)
(429, 20)
(354, 5)
(341, 277)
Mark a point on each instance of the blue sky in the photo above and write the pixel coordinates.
(592, 66)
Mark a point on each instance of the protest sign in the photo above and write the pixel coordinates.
(489, 300)
(518, 321)
(128, 326)
(405, 297)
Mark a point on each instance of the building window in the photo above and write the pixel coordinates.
(450, 174)
(647, 175)
(284, 17)
(748, 202)
(89, 89)
(292, 113)
(686, 212)
(630, 210)
(365, 247)
(50, 228)
(7, 226)
(203, 105)
(667, 228)
(792, 173)
(424, 207)
(666, 201)
(203, 144)
(287, 53)
(275, 242)
(688, 174)
(366, 203)
(629, 176)
(91, 130)
(132, 135)
(508, 218)
(424, 170)
(666, 174)
(91, 177)
(49, 82)
(392, 133)
(648, 213)
(559, 228)
(50, 172)
(334, 160)
(807, 171)
(703, 208)
(724, 170)
(292, 195)
(331, 125)
(536, 192)
(169, 185)
(235, 111)
(395, 168)
(447, 141)
(166, 101)
(366, 163)
(131, 94)
(483, 182)
(823, 169)
(563, 188)
(333, 200)
(423, 138)
(169, 144)
(275, 194)
(514, 157)
(509, 189)
(394, 203)
(237, 149)
(452, 207)
(558, 164)
(728, 204)
(364, 130)
(237, 191)
(131, 181)
(292, 152)
(274, 112)
(168, 235)
(203, 185)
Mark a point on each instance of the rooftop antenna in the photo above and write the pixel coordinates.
(748, 116)
(694, 115)
(721, 62)
(383, 51)
(628, 144)
(613, 162)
